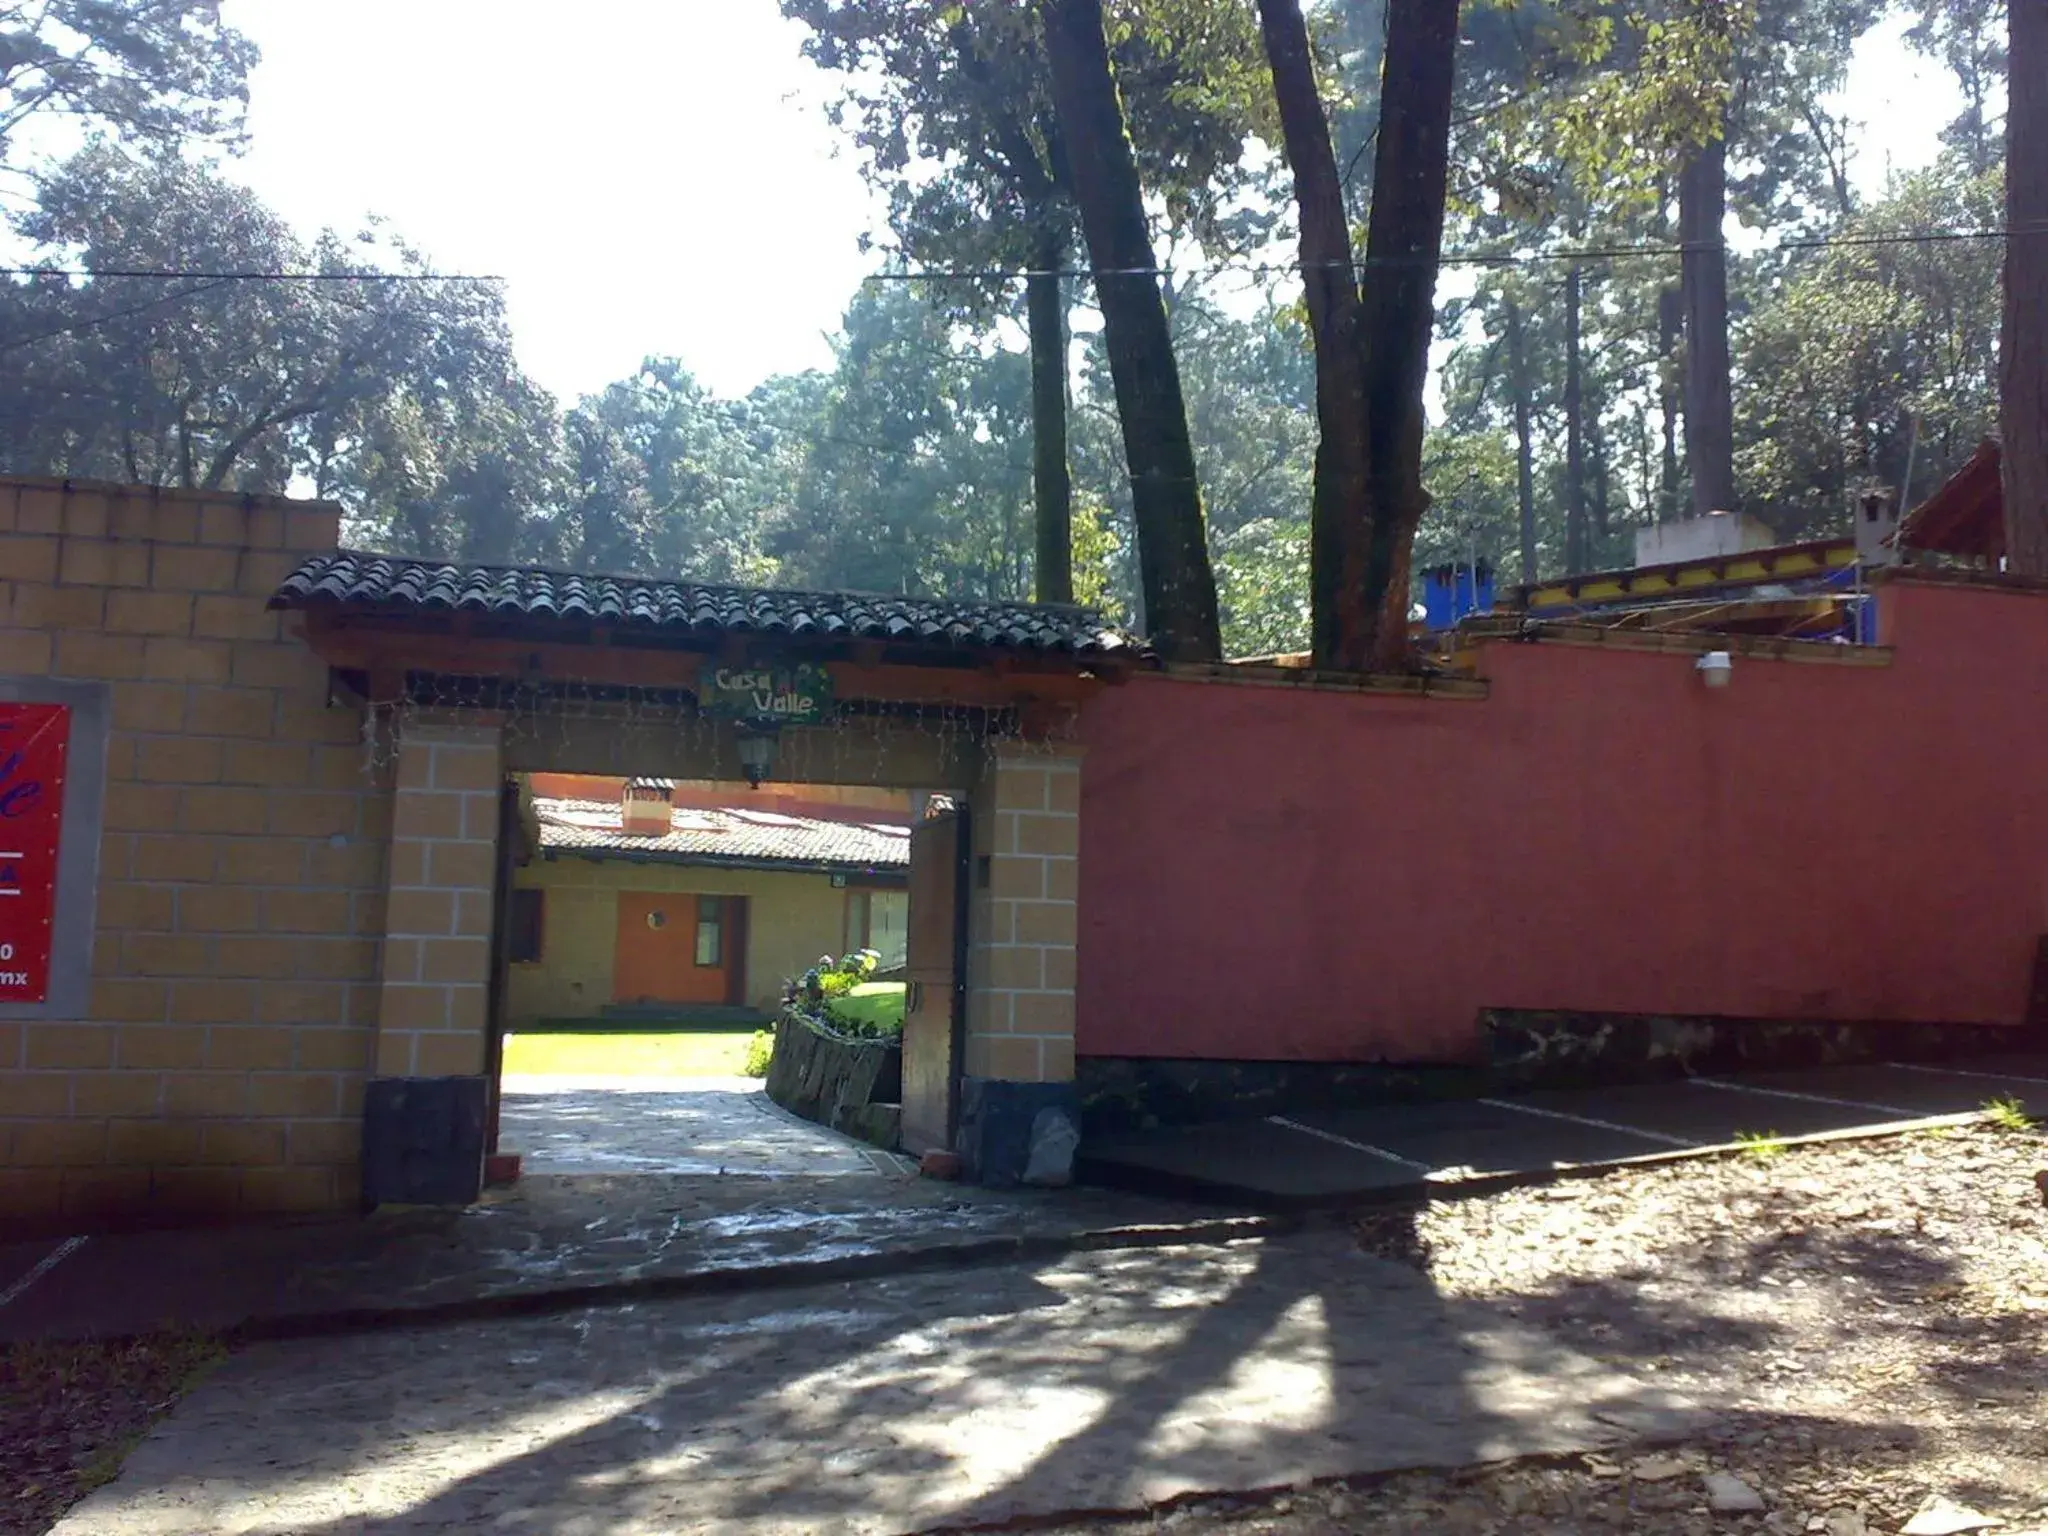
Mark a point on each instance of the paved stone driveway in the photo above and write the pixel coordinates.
(1102, 1381)
(690, 1125)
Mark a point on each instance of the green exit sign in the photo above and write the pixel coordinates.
(769, 695)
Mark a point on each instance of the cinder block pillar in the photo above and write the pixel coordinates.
(423, 1125)
(1021, 957)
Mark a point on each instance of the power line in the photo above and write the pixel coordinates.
(1002, 274)
(372, 276)
(76, 327)
(1454, 258)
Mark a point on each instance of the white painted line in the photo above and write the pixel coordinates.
(1345, 1141)
(1598, 1125)
(1990, 1077)
(43, 1266)
(1805, 1098)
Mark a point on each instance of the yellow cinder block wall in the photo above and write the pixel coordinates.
(792, 920)
(219, 1068)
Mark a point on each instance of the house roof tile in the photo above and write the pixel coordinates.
(728, 832)
(379, 584)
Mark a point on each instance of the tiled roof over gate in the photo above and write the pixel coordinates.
(376, 584)
(729, 832)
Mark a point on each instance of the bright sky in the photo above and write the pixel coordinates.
(651, 176)
(648, 175)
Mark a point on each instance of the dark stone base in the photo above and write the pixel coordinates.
(423, 1140)
(995, 1125)
(1524, 1049)
(854, 1086)
(1532, 1049)
(1127, 1093)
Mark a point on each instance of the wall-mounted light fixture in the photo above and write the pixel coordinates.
(757, 755)
(1715, 668)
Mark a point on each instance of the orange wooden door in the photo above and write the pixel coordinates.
(673, 947)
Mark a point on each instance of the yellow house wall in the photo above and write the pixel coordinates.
(792, 919)
(219, 1066)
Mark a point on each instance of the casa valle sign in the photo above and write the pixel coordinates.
(769, 693)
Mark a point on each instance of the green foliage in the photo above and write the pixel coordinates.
(1096, 553)
(2008, 1114)
(933, 85)
(1970, 37)
(871, 1011)
(905, 466)
(1843, 357)
(1761, 1146)
(1262, 585)
(837, 995)
(664, 480)
(760, 1053)
(400, 398)
(149, 74)
(918, 474)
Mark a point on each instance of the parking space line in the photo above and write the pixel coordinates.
(1805, 1098)
(42, 1267)
(1598, 1125)
(1990, 1077)
(1345, 1141)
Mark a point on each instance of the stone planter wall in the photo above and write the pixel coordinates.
(854, 1086)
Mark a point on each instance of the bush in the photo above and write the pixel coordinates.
(837, 996)
(871, 1011)
(829, 978)
(760, 1052)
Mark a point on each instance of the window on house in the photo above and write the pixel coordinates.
(527, 921)
(710, 930)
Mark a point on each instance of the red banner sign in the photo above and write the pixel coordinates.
(33, 741)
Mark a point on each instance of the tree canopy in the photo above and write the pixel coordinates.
(952, 412)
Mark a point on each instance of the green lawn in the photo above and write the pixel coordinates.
(873, 1003)
(695, 1053)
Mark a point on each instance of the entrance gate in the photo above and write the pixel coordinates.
(935, 1014)
(474, 675)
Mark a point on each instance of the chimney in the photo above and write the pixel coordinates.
(645, 809)
(1877, 528)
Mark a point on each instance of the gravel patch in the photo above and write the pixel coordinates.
(1875, 1313)
(69, 1413)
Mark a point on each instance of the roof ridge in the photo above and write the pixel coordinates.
(398, 584)
(554, 572)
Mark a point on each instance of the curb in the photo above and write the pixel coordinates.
(1160, 1182)
(988, 1252)
(1301, 1215)
(976, 1253)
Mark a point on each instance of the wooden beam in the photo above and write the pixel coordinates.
(379, 650)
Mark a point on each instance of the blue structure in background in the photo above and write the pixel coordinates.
(1449, 592)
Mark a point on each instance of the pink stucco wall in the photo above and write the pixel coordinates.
(1274, 874)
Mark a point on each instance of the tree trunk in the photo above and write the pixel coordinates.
(1709, 407)
(1166, 501)
(1577, 542)
(1341, 619)
(1670, 326)
(1525, 448)
(1603, 490)
(1045, 308)
(1403, 244)
(2023, 378)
